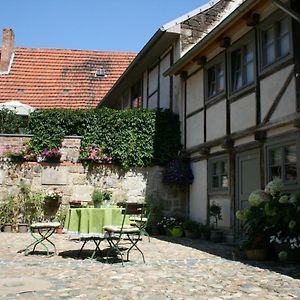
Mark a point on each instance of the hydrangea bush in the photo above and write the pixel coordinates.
(273, 217)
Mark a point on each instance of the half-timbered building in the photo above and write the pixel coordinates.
(240, 106)
(143, 85)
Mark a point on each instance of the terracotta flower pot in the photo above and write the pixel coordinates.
(22, 228)
(7, 228)
(59, 230)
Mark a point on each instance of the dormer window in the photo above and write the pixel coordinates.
(100, 72)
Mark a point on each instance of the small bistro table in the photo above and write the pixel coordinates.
(88, 223)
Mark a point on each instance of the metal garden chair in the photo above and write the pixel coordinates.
(42, 231)
(126, 235)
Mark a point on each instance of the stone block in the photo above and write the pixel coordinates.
(79, 179)
(55, 175)
(83, 193)
(2, 176)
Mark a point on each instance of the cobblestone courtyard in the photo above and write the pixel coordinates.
(174, 269)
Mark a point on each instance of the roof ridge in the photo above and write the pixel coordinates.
(189, 14)
(76, 50)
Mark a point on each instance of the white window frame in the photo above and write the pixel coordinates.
(216, 62)
(274, 22)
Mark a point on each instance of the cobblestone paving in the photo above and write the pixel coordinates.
(174, 269)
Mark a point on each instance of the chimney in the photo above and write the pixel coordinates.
(7, 48)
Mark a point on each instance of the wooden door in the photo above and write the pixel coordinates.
(248, 177)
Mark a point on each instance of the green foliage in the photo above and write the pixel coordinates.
(10, 122)
(135, 137)
(272, 217)
(98, 197)
(215, 213)
(61, 214)
(7, 211)
(191, 225)
(153, 210)
(167, 137)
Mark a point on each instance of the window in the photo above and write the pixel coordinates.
(242, 67)
(218, 174)
(136, 96)
(283, 163)
(215, 75)
(275, 41)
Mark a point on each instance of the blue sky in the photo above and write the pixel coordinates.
(117, 25)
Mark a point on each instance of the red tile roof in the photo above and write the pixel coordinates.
(52, 78)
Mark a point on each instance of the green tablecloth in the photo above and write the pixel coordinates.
(89, 222)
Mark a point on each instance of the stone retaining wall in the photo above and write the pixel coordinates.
(78, 183)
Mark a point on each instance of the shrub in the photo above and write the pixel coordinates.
(273, 217)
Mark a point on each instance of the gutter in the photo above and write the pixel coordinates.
(178, 66)
(287, 10)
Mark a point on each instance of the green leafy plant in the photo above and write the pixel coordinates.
(273, 217)
(99, 196)
(10, 122)
(8, 212)
(191, 225)
(215, 213)
(61, 214)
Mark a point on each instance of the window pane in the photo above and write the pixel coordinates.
(211, 74)
(290, 154)
(215, 169)
(224, 181)
(290, 169)
(268, 46)
(220, 78)
(276, 172)
(290, 172)
(215, 77)
(215, 182)
(283, 38)
(276, 157)
(248, 65)
(236, 75)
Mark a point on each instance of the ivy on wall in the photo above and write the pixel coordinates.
(10, 122)
(135, 137)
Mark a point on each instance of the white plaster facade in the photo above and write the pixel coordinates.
(240, 130)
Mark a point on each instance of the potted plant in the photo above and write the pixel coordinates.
(51, 155)
(15, 156)
(216, 234)
(154, 214)
(99, 197)
(60, 217)
(172, 226)
(274, 216)
(8, 214)
(92, 155)
(262, 218)
(191, 228)
(52, 201)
